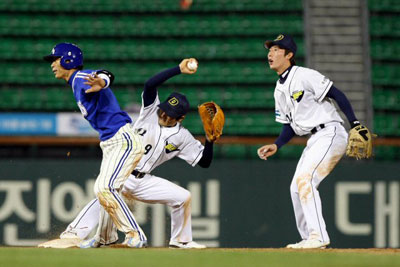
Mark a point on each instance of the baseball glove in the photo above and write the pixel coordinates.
(213, 119)
(360, 142)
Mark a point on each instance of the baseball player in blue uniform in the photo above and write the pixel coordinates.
(303, 104)
(159, 124)
(121, 146)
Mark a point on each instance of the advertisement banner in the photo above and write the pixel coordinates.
(48, 124)
(235, 203)
(28, 124)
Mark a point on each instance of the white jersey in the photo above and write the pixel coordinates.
(300, 100)
(164, 143)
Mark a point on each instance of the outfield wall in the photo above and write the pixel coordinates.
(236, 203)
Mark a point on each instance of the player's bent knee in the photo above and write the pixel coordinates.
(187, 196)
(184, 198)
(293, 187)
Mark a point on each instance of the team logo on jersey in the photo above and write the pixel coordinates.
(173, 101)
(277, 113)
(170, 147)
(298, 95)
(280, 37)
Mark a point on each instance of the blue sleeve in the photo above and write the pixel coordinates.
(207, 157)
(344, 105)
(285, 136)
(150, 87)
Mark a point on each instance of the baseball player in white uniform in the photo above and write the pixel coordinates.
(303, 105)
(164, 138)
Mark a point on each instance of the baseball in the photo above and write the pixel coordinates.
(192, 64)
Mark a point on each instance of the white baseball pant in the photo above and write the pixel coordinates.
(151, 189)
(323, 151)
(121, 154)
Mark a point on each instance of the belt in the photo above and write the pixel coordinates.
(138, 174)
(317, 128)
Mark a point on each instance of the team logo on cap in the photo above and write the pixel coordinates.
(298, 95)
(173, 101)
(170, 148)
(280, 37)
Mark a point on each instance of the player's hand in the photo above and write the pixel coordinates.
(266, 151)
(95, 82)
(188, 66)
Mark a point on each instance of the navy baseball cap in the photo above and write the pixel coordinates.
(175, 106)
(284, 41)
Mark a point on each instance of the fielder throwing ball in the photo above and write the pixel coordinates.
(159, 124)
(303, 105)
(121, 146)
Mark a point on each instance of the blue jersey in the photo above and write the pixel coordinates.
(101, 108)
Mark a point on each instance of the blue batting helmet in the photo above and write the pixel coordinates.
(70, 54)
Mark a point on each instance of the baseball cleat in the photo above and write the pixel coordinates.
(133, 241)
(191, 244)
(90, 243)
(315, 243)
(309, 244)
(69, 234)
(296, 245)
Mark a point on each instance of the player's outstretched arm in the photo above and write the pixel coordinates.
(95, 82)
(150, 86)
(266, 151)
(101, 80)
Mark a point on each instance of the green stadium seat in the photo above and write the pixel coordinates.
(138, 73)
(10, 99)
(143, 49)
(159, 6)
(254, 97)
(386, 99)
(32, 99)
(382, 49)
(137, 39)
(387, 124)
(249, 123)
(385, 74)
(193, 123)
(57, 99)
(253, 123)
(233, 151)
(385, 25)
(384, 5)
(127, 96)
(290, 152)
(150, 25)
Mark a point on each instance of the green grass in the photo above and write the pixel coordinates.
(108, 257)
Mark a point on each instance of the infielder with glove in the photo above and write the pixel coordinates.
(159, 124)
(303, 104)
(121, 146)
